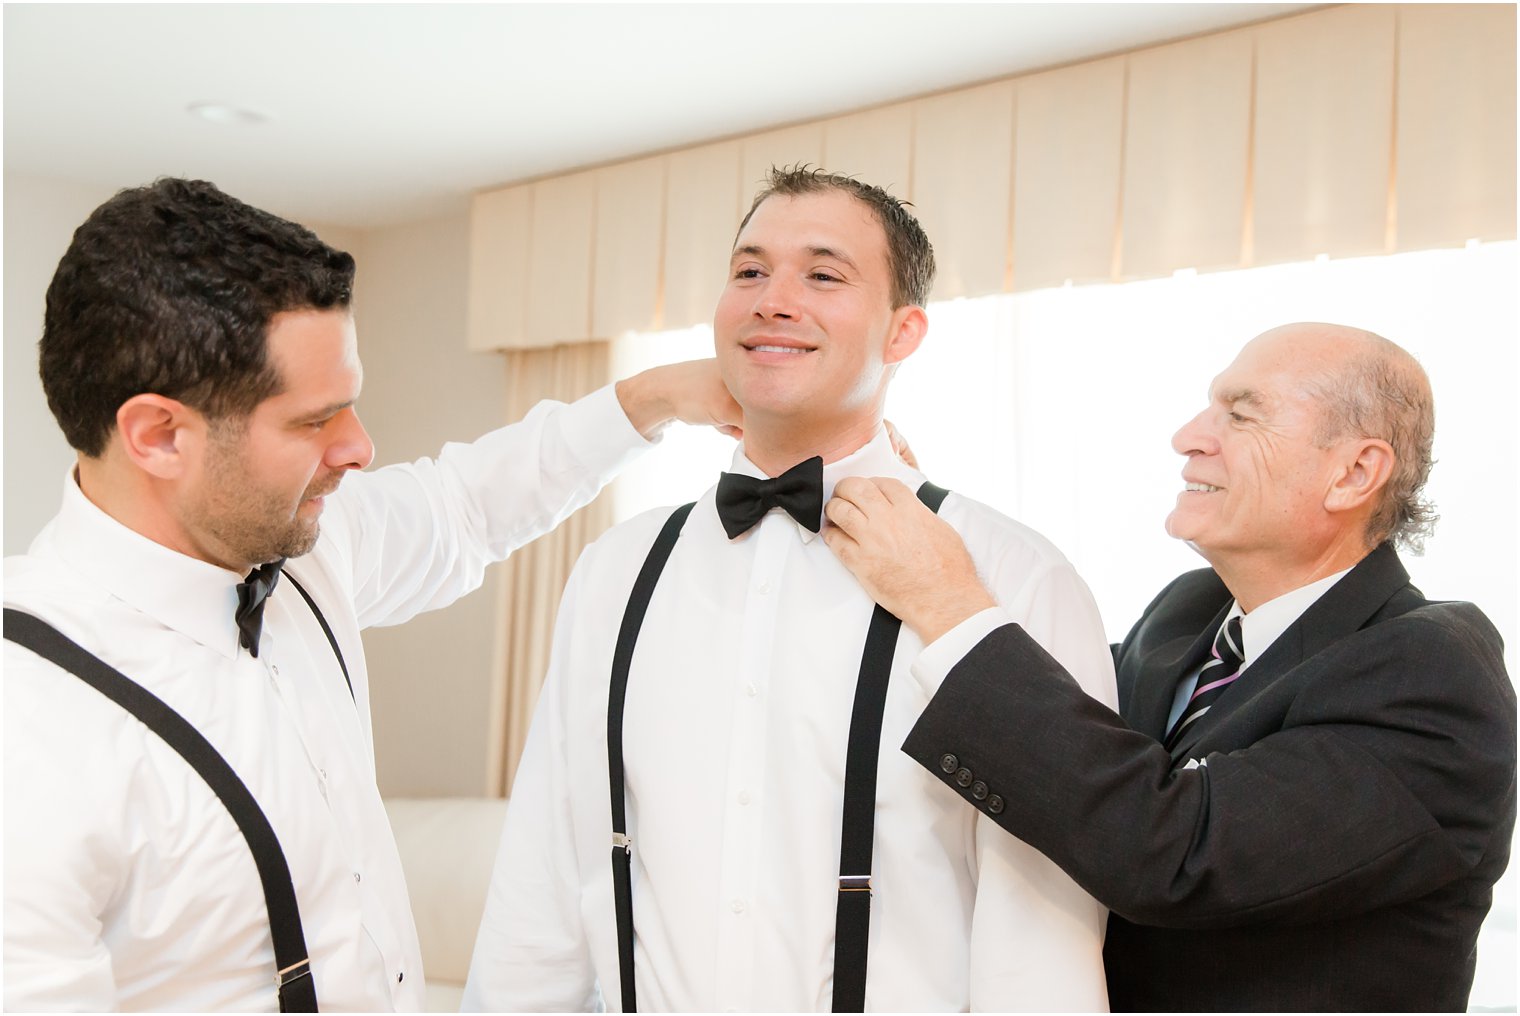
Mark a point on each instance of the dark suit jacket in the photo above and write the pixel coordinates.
(1337, 848)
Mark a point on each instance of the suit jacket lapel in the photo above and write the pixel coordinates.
(1164, 669)
(1344, 608)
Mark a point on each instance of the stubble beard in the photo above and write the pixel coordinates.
(253, 524)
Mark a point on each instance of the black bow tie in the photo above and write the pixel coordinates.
(744, 500)
(251, 593)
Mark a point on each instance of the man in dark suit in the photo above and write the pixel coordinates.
(1311, 790)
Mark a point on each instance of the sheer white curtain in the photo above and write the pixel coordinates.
(1057, 407)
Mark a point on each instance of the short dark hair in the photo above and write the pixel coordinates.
(170, 289)
(910, 256)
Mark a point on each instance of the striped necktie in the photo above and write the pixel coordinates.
(1217, 675)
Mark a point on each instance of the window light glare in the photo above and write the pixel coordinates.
(223, 113)
(1321, 259)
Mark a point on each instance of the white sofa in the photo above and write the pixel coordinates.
(448, 848)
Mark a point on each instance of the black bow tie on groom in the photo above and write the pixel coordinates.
(252, 592)
(744, 500)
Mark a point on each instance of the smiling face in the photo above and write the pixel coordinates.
(1256, 483)
(805, 330)
(263, 479)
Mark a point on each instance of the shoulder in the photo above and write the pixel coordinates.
(1453, 638)
(995, 540)
(613, 559)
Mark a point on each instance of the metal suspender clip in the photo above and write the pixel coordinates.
(294, 972)
(624, 841)
(854, 883)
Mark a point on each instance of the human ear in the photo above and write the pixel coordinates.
(909, 324)
(1364, 473)
(157, 434)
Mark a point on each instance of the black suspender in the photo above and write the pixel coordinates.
(295, 985)
(853, 916)
(326, 630)
(622, 656)
(852, 920)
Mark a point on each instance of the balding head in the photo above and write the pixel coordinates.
(1312, 450)
(1366, 386)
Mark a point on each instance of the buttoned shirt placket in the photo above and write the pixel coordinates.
(331, 770)
(771, 544)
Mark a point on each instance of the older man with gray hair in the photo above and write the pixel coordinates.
(1310, 792)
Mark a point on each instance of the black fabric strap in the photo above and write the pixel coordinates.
(852, 915)
(326, 630)
(622, 657)
(296, 987)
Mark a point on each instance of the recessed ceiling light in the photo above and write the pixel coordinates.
(221, 112)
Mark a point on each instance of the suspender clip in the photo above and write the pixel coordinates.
(854, 883)
(294, 972)
(623, 840)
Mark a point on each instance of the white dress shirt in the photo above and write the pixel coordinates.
(127, 884)
(738, 713)
(1258, 630)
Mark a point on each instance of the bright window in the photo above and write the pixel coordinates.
(1057, 407)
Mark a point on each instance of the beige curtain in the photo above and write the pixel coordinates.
(532, 579)
(1349, 130)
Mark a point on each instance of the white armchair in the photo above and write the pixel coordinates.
(448, 850)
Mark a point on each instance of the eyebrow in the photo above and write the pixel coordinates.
(1250, 396)
(326, 411)
(834, 253)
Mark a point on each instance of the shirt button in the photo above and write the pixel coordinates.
(737, 906)
(275, 670)
(765, 588)
(994, 805)
(979, 790)
(751, 690)
(357, 878)
(949, 763)
(963, 776)
(744, 797)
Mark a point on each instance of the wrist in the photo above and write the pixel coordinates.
(947, 612)
(645, 403)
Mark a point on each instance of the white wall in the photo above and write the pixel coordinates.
(430, 678)
(40, 218)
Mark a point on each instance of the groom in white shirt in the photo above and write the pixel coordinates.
(741, 702)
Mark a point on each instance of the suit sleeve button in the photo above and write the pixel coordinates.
(994, 805)
(949, 763)
(963, 776)
(979, 790)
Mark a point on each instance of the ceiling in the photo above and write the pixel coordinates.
(378, 114)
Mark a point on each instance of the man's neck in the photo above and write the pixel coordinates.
(1257, 579)
(776, 446)
(133, 501)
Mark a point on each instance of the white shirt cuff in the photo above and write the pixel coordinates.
(599, 433)
(939, 656)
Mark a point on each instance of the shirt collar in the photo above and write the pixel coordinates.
(874, 458)
(191, 596)
(1262, 626)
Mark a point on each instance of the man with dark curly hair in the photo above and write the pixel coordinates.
(192, 820)
(1311, 789)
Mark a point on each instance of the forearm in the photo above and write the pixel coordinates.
(416, 537)
(1253, 836)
